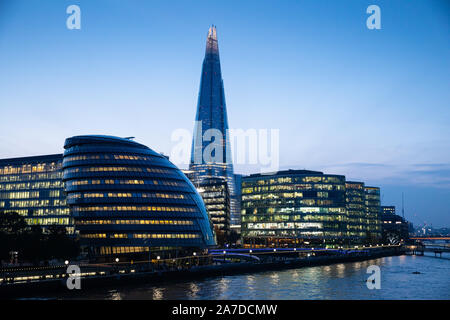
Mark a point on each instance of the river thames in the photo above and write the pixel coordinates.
(402, 277)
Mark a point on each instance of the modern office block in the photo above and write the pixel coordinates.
(373, 210)
(357, 217)
(293, 207)
(215, 195)
(33, 187)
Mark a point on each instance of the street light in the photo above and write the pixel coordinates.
(117, 259)
(195, 253)
(66, 262)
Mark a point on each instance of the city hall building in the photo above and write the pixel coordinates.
(128, 199)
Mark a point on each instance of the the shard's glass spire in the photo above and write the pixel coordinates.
(211, 155)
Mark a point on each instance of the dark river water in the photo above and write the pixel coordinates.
(402, 277)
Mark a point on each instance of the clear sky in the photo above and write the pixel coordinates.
(370, 104)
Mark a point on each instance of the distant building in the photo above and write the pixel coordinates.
(394, 227)
(236, 200)
(373, 210)
(215, 195)
(127, 199)
(33, 187)
(293, 207)
(386, 210)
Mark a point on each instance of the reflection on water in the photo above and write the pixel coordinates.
(338, 281)
(158, 294)
(194, 289)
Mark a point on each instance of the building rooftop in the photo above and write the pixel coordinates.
(31, 159)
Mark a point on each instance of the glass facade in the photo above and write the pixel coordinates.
(373, 210)
(126, 198)
(212, 117)
(293, 207)
(357, 217)
(216, 197)
(33, 187)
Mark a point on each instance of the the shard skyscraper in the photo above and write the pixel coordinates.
(211, 153)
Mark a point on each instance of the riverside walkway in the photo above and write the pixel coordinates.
(216, 262)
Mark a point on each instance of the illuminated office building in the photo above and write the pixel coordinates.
(293, 207)
(357, 218)
(127, 199)
(373, 210)
(32, 187)
(211, 120)
(215, 195)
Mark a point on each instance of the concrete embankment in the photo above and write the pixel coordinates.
(31, 288)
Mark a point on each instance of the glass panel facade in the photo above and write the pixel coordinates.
(212, 115)
(292, 206)
(33, 187)
(123, 195)
(216, 197)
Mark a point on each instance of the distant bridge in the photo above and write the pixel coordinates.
(420, 249)
(446, 238)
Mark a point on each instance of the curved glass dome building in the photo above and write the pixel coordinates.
(128, 199)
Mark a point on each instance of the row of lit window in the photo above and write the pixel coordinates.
(32, 177)
(48, 221)
(34, 203)
(135, 208)
(293, 187)
(163, 222)
(117, 169)
(28, 168)
(107, 157)
(293, 218)
(132, 182)
(19, 195)
(28, 195)
(285, 225)
(141, 235)
(286, 180)
(117, 250)
(257, 233)
(32, 185)
(283, 210)
(277, 202)
(125, 195)
(53, 211)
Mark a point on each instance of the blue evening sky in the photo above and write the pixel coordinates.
(370, 104)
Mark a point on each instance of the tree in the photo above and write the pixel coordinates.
(31, 243)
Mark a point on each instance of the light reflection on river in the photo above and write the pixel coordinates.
(338, 281)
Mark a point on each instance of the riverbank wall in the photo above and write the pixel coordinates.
(32, 288)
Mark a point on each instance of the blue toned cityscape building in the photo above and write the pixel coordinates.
(33, 187)
(127, 199)
(373, 210)
(293, 207)
(211, 127)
